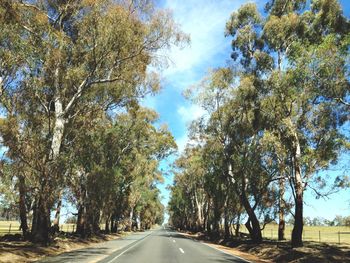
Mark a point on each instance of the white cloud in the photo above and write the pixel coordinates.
(188, 114)
(205, 22)
(181, 143)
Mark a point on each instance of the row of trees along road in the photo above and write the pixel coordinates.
(275, 118)
(72, 74)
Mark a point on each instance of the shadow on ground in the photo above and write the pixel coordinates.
(24, 251)
(281, 251)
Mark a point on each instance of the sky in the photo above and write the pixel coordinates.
(204, 21)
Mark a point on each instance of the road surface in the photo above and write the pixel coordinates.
(157, 246)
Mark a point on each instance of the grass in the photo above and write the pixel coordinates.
(327, 234)
(12, 227)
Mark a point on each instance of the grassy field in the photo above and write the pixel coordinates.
(328, 234)
(12, 227)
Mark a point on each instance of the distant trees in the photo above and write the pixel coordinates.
(71, 76)
(274, 117)
(320, 221)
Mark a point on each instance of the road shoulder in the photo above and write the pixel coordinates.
(24, 251)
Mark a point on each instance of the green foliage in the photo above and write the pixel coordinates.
(72, 74)
(275, 116)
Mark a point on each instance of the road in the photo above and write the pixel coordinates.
(157, 246)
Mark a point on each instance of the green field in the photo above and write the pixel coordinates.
(328, 234)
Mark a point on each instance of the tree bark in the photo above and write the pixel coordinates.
(238, 225)
(41, 220)
(254, 231)
(131, 216)
(41, 227)
(199, 213)
(56, 222)
(107, 229)
(282, 223)
(297, 233)
(22, 206)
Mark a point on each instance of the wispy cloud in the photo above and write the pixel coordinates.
(190, 113)
(205, 22)
(187, 115)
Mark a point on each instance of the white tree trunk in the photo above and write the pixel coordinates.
(58, 129)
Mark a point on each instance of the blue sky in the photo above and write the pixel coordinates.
(205, 21)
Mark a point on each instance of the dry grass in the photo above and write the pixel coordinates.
(12, 227)
(24, 251)
(326, 234)
(275, 251)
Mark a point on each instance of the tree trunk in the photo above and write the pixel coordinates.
(41, 221)
(107, 229)
(131, 216)
(200, 219)
(238, 225)
(22, 206)
(282, 223)
(41, 226)
(226, 225)
(297, 233)
(208, 218)
(81, 221)
(56, 222)
(254, 231)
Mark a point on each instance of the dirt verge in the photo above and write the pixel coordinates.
(24, 251)
(276, 251)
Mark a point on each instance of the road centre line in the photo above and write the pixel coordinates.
(182, 251)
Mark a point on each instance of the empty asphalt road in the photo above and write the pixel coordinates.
(167, 246)
(157, 246)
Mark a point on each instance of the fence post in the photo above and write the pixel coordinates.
(73, 228)
(319, 235)
(10, 228)
(339, 237)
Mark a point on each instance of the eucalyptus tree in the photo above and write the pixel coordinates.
(276, 114)
(116, 168)
(293, 45)
(78, 53)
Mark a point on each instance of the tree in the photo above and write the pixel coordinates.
(274, 115)
(304, 108)
(71, 58)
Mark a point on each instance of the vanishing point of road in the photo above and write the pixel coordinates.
(155, 246)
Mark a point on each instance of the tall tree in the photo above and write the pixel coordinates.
(78, 54)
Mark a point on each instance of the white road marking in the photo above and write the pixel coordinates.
(174, 241)
(182, 251)
(137, 242)
(226, 252)
(232, 255)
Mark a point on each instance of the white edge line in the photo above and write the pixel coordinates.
(182, 251)
(233, 255)
(137, 242)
